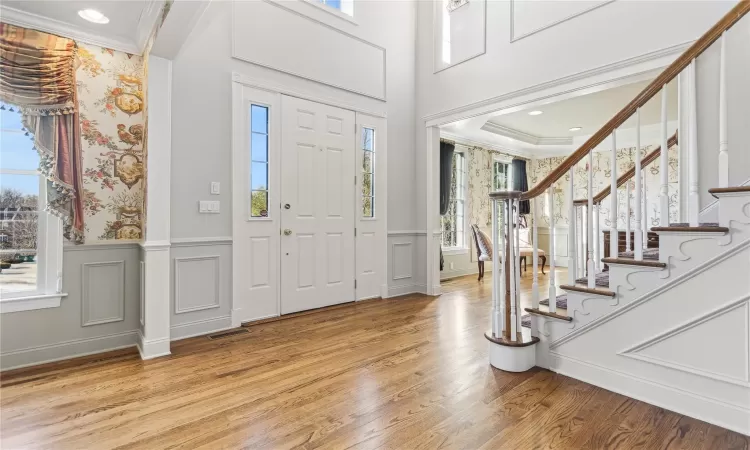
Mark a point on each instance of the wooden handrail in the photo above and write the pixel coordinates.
(648, 159)
(705, 41)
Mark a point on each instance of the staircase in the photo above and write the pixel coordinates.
(667, 325)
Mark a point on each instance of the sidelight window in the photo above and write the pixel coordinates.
(258, 161)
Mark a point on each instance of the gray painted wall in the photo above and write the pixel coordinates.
(101, 311)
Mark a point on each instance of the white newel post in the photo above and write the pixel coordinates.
(613, 237)
(589, 222)
(572, 253)
(664, 164)
(723, 135)
(535, 256)
(693, 183)
(153, 335)
(552, 291)
(638, 233)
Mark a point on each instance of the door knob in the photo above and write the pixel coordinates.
(287, 232)
(287, 206)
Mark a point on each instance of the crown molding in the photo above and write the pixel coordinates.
(525, 137)
(486, 145)
(150, 15)
(34, 21)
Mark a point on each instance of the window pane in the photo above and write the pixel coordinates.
(367, 181)
(259, 119)
(367, 207)
(17, 151)
(18, 190)
(18, 244)
(259, 145)
(367, 162)
(259, 177)
(10, 119)
(368, 139)
(259, 204)
(333, 3)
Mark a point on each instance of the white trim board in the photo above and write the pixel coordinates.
(198, 241)
(514, 38)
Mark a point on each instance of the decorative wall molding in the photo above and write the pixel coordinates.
(197, 241)
(88, 299)
(435, 27)
(525, 137)
(460, 140)
(180, 263)
(103, 245)
(200, 327)
(396, 291)
(491, 104)
(651, 295)
(407, 269)
(636, 351)
(514, 37)
(381, 50)
(29, 20)
(143, 292)
(396, 233)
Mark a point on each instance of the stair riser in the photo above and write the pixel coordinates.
(734, 208)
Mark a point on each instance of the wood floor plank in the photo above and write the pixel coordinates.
(404, 373)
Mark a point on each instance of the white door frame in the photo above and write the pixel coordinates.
(378, 226)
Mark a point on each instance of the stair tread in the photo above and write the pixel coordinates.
(728, 190)
(603, 292)
(548, 314)
(699, 229)
(521, 341)
(633, 262)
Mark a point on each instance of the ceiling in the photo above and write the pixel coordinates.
(130, 21)
(590, 112)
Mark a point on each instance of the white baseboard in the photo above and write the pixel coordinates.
(667, 397)
(66, 350)
(395, 291)
(200, 327)
(154, 348)
(448, 274)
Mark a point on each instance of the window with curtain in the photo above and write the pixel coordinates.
(453, 223)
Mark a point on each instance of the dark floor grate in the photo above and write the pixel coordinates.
(226, 334)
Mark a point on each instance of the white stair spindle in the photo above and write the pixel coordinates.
(723, 135)
(517, 300)
(572, 262)
(613, 237)
(535, 257)
(500, 272)
(552, 290)
(645, 214)
(580, 250)
(495, 272)
(693, 183)
(627, 216)
(596, 242)
(589, 222)
(664, 164)
(638, 233)
(513, 270)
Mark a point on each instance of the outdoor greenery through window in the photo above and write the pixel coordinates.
(259, 161)
(19, 204)
(453, 224)
(368, 172)
(500, 176)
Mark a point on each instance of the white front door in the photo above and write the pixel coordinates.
(317, 205)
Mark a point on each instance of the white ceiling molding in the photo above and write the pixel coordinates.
(149, 16)
(514, 38)
(486, 145)
(525, 137)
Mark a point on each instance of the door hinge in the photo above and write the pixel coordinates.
(355, 180)
(355, 284)
(355, 232)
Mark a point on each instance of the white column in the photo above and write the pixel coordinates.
(693, 183)
(513, 270)
(495, 270)
(154, 333)
(638, 233)
(572, 216)
(664, 164)
(589, 222)
(552, 290)
(613, 199)
(723, 136)
(535, 256)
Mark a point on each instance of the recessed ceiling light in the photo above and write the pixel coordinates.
(93, 15)
(576, 129)
(535, 113)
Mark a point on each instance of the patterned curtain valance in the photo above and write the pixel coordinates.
(37, 74)
(37, 71)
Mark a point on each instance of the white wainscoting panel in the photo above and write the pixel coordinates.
(311, 49)
(142, 292)
(528, 17)
(196, 283)
(402, 260)
(103, 292)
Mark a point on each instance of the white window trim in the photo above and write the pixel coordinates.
(464, 248)
(507, 161)
(48, 293)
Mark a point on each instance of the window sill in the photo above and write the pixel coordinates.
(30, 302)
(455, 251)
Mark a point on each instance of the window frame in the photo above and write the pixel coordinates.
(249, 166)
(463, 186)
(508, 172)
(49, 253)
(323, 6)
(362, 174)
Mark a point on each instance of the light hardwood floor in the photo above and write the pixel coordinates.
(404, 373)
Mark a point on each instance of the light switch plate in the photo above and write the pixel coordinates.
(209, 207)
(215, 188)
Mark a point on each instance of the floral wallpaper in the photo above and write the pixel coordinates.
(480, 161)
(539, 168)
(111, 103)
